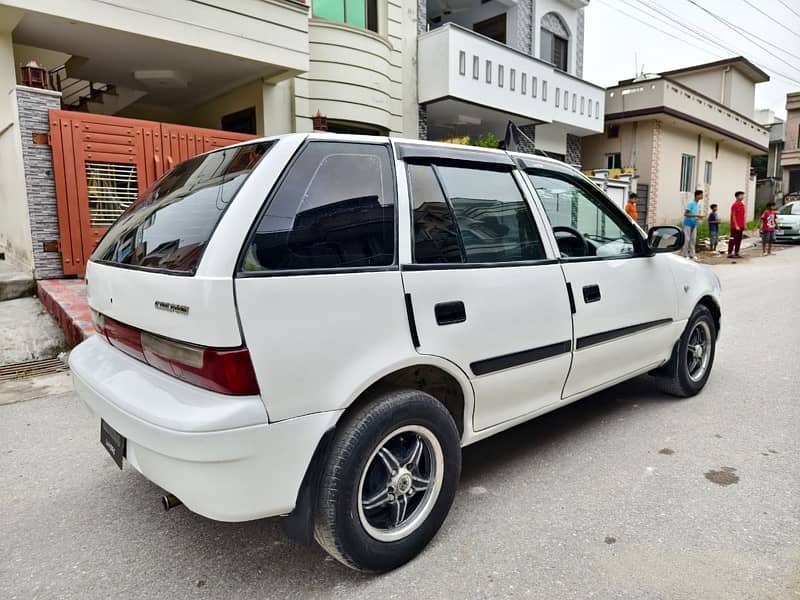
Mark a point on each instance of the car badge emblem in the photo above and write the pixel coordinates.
(181, 309)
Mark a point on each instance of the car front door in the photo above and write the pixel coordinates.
(625, 299)
(483, 289)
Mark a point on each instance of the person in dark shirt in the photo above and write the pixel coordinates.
(713, 227)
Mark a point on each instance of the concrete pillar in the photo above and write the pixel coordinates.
(40, 184)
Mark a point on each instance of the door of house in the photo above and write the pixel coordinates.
(101, 164)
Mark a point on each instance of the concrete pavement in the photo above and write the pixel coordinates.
(626, 494)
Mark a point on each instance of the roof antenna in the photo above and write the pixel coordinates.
(636, 64)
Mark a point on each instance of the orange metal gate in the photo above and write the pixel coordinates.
(102, 163)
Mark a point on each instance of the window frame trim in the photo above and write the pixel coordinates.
(276, 187)
(434, 161)
(641, 249)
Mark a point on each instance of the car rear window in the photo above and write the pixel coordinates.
(169, 227)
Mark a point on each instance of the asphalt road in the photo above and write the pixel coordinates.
(627, 494)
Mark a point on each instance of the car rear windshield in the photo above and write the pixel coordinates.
(169, 227)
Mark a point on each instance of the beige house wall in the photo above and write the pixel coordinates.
(15, 231)
(634, 143)
(209, 114)
(730, 173)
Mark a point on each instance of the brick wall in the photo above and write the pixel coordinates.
(33, 105)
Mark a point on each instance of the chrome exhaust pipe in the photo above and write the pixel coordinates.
(169, 501)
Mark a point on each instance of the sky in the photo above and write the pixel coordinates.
(620, 34)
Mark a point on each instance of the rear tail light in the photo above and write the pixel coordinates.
(223, 370)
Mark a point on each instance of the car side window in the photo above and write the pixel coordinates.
(471, 215)
(334, 209)
(584, 224)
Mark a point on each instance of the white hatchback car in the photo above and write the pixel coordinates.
(313, 325)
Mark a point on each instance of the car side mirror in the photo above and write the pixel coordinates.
(664, 238)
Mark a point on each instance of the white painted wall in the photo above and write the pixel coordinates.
(440, 75)
(270, 31)
(742, 94)
(354, 75)
(15, 231)
(550, 137)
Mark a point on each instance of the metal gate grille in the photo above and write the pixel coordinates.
(111, 187)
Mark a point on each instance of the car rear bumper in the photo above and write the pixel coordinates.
(787, 235)
(217, 453)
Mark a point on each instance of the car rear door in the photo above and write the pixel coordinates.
(625, 299)
(483, 288)
(318, 286)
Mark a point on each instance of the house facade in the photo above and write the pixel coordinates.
(482, 64)
(406, 68)
(684, 130)
(790, 157)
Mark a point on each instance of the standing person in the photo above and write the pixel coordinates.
(630, 207)
(738, 224)
(768, 221)
(690, 217)
(713, 227)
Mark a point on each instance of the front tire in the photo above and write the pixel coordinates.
(389, 482)
(693, 356)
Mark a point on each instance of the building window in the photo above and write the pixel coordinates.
(500, 73)
(687, 172)
(583, 103)
(476, 66)
(614, 161)
(554, 44)
(462, 62)
(558, 97)
(534, 86)
(574, 102)
(590, 107)
(358, 13)
(544, 90)
(566, 100)
(488, 71)
(707, 174)
(523, 83)
(512, 79)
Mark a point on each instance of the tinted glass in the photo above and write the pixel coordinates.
(584, 225)
(170, 227)
(493, 218)
(435, 233)
(334, 209)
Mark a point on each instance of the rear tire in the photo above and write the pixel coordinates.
(693, 356)
(389, 481)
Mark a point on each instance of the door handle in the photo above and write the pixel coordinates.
(448, 313)
(591, 293)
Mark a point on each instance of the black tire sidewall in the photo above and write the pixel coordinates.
(415, 408)
(689, 386)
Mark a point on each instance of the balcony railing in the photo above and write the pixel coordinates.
(458, 64)
(664, 95)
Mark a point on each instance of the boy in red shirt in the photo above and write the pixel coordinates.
(738, 224)
(768, 222)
